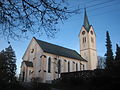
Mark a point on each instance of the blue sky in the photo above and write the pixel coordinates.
(103, 15)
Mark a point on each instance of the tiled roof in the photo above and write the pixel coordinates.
(58, 50)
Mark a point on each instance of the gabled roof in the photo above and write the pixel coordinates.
(28, 63)
(58, 50)
(86, 22)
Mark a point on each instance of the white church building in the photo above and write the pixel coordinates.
(45, 61)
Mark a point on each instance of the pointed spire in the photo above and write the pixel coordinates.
(86, 22)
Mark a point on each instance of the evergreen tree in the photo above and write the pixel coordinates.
(3, 67)
(11, 63)
(109, 53)
(117, 57)
(116, 63)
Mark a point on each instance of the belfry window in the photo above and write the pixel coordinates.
(84, 39)
(49, 65)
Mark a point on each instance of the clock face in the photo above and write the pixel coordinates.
(83, 32)
(91, 32)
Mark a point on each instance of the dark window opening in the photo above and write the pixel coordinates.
(68, 66)
(59, 66)
(84, 39)
(83, 67)
(49, 65)
(32, 50)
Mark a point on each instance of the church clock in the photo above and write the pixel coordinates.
(83, 32)
(91, 32)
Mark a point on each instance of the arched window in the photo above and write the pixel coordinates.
(85, 39)
(59, 66)
(68, 66)
(49, 65)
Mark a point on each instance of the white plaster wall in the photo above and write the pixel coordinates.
(85, 65)
(83, 45)
(29, 76)
(93, 59)
(34, 57)
(49, 76)
(92, 45)
(38, 52)
(23, 69)
(88, 49)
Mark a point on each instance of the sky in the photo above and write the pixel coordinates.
(103, 15)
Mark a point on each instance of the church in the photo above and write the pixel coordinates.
(46, 61)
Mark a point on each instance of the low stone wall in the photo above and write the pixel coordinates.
(86, 74)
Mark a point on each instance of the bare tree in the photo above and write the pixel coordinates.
(101, 62)
(19, 18)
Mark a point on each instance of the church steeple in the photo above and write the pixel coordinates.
(86, 22)
(88, 44)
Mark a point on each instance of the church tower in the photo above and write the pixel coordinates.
(88, 44)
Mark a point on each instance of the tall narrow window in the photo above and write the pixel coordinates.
(49, 65)
(76, 67)
(59, 66)
(83, 67)
(68, 66)
(84, 39)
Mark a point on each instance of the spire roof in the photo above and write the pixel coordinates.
(86, 22)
